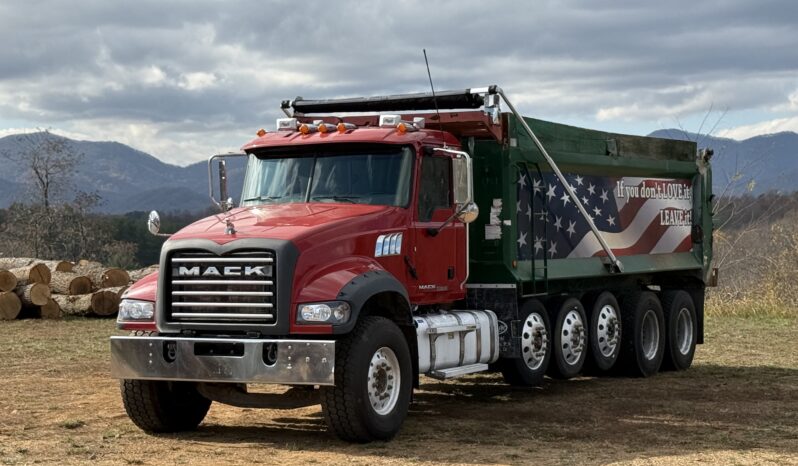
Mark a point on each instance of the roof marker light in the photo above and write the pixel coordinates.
(344, 127)
(406, 127)
(306, 128)
(325, 128)
(261, 133)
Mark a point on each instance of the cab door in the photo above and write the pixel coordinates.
(439, 271)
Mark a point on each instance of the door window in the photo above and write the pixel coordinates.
(434, 192)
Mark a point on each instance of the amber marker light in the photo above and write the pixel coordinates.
(323, 128)
(341, 128)
(401, 128)
(304, 128)
(261, 133)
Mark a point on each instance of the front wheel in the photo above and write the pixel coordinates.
(373, 383)
(161, 406)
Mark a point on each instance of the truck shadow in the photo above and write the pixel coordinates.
(707, 408)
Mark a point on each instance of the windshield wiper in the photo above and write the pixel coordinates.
(262, 198)
(350, 199)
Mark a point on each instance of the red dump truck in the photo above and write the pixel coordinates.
(382, 239)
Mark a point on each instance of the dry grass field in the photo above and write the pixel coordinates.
(737, 405)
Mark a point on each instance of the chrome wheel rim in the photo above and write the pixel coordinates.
(384, 379)
(607, 330)
(649, 335)
(684, 330)
(572, 337)
(534, 341)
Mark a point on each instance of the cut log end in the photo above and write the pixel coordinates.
(36, 273)
(104, 303)
(35, 294)
(10, 305)
(51, 310)
(8, 281)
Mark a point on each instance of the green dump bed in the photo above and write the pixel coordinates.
(648, 196)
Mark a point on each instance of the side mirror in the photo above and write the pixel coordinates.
(225, 202)
(468, 213)
(154, 223)
(460, 179)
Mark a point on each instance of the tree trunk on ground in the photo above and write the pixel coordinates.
(51, 310)
(138, 274)
(118, 290)
(102, 277)
(35, 294)
(17, 262)
(10, 305)
(59, 266)
(78, 305)
(70, 283)
(36, 273)
(8, 281)
(105, 302)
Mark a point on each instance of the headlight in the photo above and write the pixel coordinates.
(334, 312)
(131, 309)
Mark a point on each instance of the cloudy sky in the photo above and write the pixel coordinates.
(183, 79)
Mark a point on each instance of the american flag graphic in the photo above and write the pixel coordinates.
(635, 215)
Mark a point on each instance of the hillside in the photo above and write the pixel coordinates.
(126, 179)
(763, 163)
(130, 180)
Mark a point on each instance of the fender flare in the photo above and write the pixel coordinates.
(365, 286)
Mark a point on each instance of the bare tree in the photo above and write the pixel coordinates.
(50, 162)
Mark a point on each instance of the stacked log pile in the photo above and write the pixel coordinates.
(52, 289)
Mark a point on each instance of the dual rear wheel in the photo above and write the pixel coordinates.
(636, 336)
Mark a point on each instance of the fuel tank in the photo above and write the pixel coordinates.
(456, 338)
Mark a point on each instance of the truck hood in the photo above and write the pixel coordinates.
(280, 221)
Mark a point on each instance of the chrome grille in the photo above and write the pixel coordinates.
(236, 287)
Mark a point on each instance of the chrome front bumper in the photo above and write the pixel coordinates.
(297, 362)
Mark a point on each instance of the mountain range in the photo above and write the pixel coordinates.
(130, 180)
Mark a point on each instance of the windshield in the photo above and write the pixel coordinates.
(372, 177)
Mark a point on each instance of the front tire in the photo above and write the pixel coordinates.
(528, 369)
(373, 383)
(159, 406)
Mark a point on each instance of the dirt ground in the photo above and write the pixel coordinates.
(738, 404)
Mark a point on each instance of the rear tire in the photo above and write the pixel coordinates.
(643, 345)
(529, 368)
(680, 318)
(604, 333)
(373, 383)
(161, 406)
(569, 341)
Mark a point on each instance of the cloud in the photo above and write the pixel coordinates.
(777, 125)
(193, 77)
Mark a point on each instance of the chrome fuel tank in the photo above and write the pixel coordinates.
(456, 338)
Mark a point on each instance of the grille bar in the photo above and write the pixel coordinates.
(223, 282)
(259, 260)
(222, 293)
(221, 316)
(201, 304)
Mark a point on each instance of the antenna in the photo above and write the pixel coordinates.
(434, 99)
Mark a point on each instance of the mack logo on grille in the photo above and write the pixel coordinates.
(226, 271)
